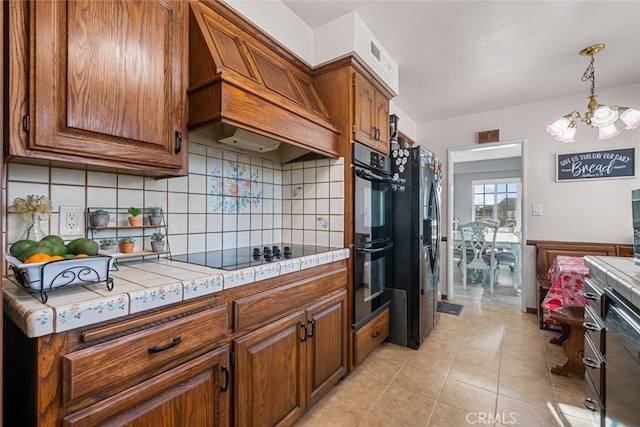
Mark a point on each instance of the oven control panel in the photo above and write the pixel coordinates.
(371, 159)
(377, 160)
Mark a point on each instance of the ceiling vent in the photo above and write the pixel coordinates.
(379, 56)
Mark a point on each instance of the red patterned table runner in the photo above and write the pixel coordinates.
(566, 276)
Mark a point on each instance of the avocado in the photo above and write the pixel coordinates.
(20, 246)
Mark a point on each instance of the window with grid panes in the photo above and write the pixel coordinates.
(496, 200)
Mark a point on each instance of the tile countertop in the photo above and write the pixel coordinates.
(138, 286)
(621, 274)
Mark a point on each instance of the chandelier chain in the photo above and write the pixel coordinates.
(590, 74)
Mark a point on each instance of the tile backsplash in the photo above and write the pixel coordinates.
(228, 199)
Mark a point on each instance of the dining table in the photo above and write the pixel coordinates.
(505, 240)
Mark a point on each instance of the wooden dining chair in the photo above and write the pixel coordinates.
(478, 256)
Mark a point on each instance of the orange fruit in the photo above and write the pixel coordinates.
(39, 257)
(56, 257)
(82, 256)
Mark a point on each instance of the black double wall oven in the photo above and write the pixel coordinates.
(373, 244)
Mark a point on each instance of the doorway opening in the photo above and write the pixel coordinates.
(486, 184)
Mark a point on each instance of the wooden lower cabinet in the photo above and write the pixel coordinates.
(168, 367)
(278, 345)
(286, 366)
(371, 335)
(195, 393)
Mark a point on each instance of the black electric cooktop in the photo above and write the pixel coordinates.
(234, 259)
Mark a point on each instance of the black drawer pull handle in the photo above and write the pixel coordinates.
(303, 338)
(224, 387)
(593, 364)
(156, 349)
(590, 295)
(178, 147)
(590, 326)
(589, 404)
(376, 334)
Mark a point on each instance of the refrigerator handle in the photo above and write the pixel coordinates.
(373, 251)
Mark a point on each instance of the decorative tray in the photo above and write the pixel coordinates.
(50, 275)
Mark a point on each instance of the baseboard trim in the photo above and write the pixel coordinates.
(531, 310)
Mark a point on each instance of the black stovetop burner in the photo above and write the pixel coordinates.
(234, 259)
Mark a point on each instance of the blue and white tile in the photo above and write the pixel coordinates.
(325, 257)
(27, 311)
(289, 265)
(77, 314)
(266, 271)
(214, 166)
(204, 286)
(155, 297)
(340, 254)
(238, 277)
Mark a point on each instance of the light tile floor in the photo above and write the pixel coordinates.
(503, 293)
(488, 366)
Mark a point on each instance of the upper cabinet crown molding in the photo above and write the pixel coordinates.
(99, 83)
(240, 76)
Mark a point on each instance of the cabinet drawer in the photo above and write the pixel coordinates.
(371, 335)
(594, 365)
(259, 309)
(111, 366)
(593, 328)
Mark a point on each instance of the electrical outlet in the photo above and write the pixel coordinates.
(71, 221)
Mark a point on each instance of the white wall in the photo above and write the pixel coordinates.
(405, 124)
(342, 36)
(280, 23)
(579, 211)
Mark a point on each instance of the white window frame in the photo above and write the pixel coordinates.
(495, 181)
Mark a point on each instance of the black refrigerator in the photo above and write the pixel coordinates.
(416, 253)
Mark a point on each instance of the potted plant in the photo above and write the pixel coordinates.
(157, 242)
(135, 219)
(99, 218)
(155, 215)
(511, 225)
(108, 245)
(126, 244)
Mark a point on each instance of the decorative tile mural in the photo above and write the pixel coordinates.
(241, 199)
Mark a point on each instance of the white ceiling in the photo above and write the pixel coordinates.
(462, 57)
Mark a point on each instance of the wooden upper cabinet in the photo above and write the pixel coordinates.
(105, 83)
(371, 115)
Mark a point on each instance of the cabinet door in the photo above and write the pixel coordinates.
(364, 111)
(108, 82)
(269, 373)
(327, 346)
(382, 123)
(195, 393)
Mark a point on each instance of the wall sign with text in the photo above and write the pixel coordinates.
(616, 163)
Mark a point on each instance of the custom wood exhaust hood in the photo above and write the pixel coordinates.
(240, 77)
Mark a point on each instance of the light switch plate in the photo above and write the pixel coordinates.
(536, 209)
(71, 222)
